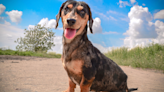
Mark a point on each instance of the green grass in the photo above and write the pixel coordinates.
(28, 53)
(151, 57)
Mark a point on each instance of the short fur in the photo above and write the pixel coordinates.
(85, 64)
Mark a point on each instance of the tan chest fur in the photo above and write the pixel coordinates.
(74, 66)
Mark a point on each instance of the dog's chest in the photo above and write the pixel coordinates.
(74, 68)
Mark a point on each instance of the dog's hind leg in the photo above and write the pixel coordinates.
(127, 90)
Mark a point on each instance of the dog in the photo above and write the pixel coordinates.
(85, 65)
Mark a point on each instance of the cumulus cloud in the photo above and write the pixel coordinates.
(160, 30)
(96, 26)
(15, 15)
(140, 25)
(159, 15)
(141, 30)
(31, 27)
(47, 23)
(2, 8)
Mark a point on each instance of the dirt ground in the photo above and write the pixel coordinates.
(30, 74)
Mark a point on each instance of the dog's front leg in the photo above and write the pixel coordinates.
(86, 84)
(71, 87)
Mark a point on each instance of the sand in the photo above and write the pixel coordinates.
(31, 74)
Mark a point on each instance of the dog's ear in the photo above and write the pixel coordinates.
(59, 14)
(90, 19)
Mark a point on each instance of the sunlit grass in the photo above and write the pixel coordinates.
(151, 57)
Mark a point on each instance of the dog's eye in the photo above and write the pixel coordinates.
(66, 8)
(82, 11)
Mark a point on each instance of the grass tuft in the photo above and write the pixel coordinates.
(151, 57)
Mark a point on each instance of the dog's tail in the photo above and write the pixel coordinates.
(132, 89)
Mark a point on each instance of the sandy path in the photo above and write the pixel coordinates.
(29, 74)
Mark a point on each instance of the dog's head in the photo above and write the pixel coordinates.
(74, 15)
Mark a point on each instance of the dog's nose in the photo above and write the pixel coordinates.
(71, 21)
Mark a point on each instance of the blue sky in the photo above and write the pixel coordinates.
(118, 23)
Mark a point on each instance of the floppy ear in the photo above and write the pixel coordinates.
(59, 14)
(90, 19)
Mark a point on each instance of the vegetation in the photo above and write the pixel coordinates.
(29, 53)
(37, 39)
(148, 57)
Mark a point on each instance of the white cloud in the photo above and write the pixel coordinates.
(159, 15)
(140, 25)
(9, 34)
(141, 30)
(48, 23)
(2, 8)
(15, 15)
(101, 48)
(132, 42)
(123, 4)
(160, 30)
(7, 23)
(132, 1)
(140, 13)
(96, 28)
(58, 48)
(31, 27)
(97, 25)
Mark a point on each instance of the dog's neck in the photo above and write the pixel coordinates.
(78, 41)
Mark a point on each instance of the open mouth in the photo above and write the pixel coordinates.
(70, 33)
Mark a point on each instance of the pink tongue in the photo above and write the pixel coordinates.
(69, 33)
